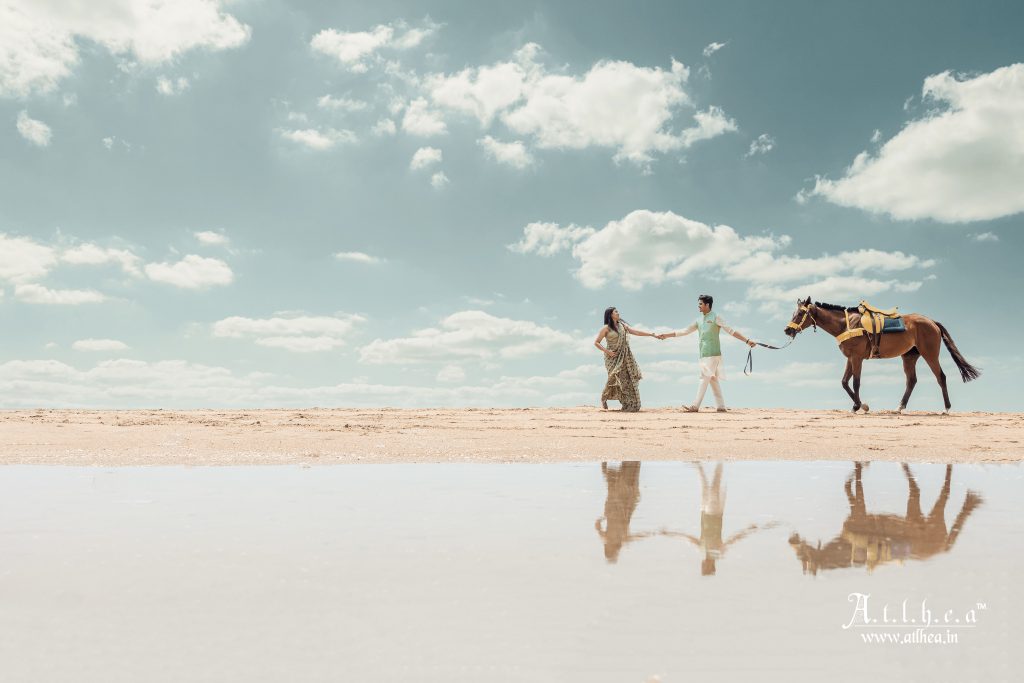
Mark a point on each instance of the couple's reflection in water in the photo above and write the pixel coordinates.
(624, 496)
(711, 544)
(869, 540)
(865, 540)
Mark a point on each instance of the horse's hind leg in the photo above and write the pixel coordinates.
(940, 377)
(910, 370)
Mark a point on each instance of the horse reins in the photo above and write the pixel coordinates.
(748, 367)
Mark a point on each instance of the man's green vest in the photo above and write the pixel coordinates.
(708, 329)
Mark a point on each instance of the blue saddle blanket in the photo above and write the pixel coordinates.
(893, 325)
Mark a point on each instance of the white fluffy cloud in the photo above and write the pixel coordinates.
(340, 104)
(39, 294)
(171, 86)
(425, 157)
(769, 268)
(422, 121)
(547, 239)
(762, 145)
(211, 238)
(94, 255)
(645, 247)
(451, 373)
(22, 259)
(122, 382)
(484, 91)
(191, 272)
(963, 161)
(439, 180)
(318, 140)
(615, 104)
(357, 257)
(181, 384)
(814, 374)
(985, 237)
(33, 130)
(39, 41)
(712, 48)
(469, 335)
(512, 154)
(834, 288)
(648, 248)
(23, 262)
(355, 50)
(99, 345)
(301, 334)
(384, 127)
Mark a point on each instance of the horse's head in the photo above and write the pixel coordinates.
(801, 317)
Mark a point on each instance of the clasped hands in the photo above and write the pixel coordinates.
(665, 335)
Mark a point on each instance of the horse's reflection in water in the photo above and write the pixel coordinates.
(870, 540)
(623, 497)
(712, 513)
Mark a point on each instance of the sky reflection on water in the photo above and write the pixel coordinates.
(578, 572)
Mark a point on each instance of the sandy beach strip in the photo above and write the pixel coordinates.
(333, 436)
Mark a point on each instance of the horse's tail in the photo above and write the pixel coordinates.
(967, 371)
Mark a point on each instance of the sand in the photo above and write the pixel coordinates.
(322, 436)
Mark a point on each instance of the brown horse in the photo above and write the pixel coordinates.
(923, 338)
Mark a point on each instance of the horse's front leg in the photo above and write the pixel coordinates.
(846, 384)
(856, 364)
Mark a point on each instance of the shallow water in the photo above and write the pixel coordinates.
(456, 572)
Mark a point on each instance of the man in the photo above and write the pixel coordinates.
(711, 370)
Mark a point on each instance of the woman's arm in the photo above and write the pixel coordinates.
(638, 333)
(597, 342)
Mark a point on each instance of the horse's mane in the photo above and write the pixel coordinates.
(833, 307)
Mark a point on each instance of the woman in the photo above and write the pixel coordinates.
(623, 372)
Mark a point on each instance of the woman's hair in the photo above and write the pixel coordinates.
(608, 319)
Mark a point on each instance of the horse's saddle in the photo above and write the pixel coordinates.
(893, 312)
(878, 321)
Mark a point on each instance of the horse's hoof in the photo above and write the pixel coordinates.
(864, 407)
(899, 411)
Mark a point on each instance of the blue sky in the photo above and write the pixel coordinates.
(254, 203)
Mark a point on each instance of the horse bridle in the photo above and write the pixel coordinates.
(806, 308)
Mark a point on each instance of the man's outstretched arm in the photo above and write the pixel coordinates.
(734, 333)
(679, 333)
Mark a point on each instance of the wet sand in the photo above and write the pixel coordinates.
(330, 436)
